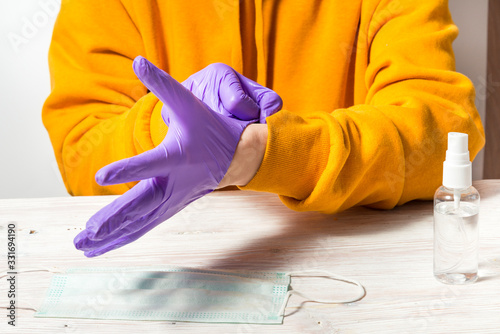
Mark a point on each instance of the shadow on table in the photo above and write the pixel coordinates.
(489, 268)
(487, 188)
(307, 236)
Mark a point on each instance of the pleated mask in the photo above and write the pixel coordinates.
(173, 294)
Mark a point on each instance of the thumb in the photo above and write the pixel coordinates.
(175, 97)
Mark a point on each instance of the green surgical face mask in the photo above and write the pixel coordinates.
(174, 294)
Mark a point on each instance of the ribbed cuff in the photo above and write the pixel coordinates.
(296, 153)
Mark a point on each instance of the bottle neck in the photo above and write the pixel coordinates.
(451, 190)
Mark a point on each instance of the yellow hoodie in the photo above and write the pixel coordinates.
(369, 90)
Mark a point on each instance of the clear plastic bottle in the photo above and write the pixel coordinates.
(456, 212)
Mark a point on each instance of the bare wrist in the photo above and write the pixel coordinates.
(247, 157)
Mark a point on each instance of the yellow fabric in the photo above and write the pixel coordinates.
(369, 90)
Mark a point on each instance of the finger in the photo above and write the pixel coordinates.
(123, 240)
(143, 166)
(270, 104)
(268, 101)
(163, 212)
(234, 98)
(124, 215)
(175, 97)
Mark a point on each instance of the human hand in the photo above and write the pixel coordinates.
(231, 94)
(189, 163)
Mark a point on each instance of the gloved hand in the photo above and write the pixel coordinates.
(226, 91)
(189, 163)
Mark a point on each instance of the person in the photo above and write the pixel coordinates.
(369, 93)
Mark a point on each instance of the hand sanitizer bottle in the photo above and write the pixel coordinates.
(456, 209)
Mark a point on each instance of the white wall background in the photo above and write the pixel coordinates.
(27, 164)
(471, 17)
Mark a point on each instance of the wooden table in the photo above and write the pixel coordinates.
(390, 252)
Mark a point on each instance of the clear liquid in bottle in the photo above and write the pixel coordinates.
(456, 242)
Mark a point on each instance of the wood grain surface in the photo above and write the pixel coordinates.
(390, 252)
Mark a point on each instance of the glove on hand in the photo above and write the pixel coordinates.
(231, 94)
(189, 163)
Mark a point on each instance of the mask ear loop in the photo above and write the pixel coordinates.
(307, 273)
(55, 271)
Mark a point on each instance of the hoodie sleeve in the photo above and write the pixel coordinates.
(388, 150)
(98, 111)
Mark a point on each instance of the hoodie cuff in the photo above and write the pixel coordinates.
(290, 167)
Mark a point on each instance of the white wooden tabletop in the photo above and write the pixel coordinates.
(389, 252)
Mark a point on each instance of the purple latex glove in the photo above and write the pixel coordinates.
(189, 163)
(231, 94)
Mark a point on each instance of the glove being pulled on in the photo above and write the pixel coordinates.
(189, 163)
